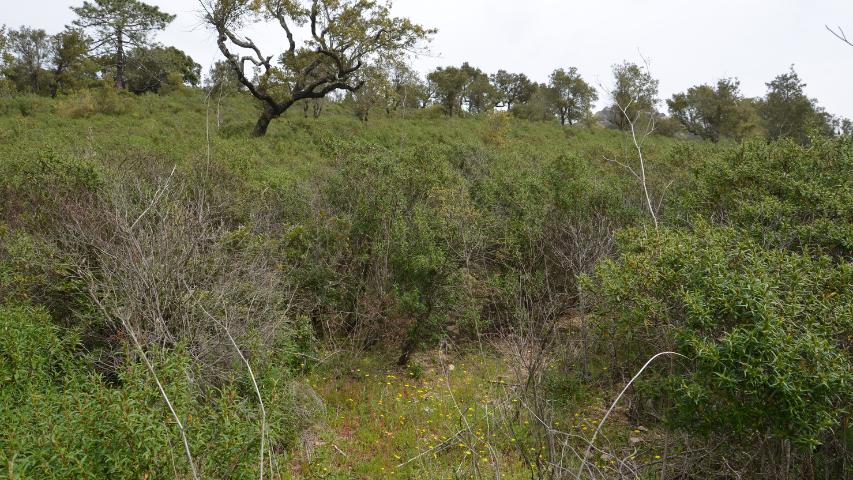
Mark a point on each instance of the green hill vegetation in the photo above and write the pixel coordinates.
(316, 263)
(416, 296)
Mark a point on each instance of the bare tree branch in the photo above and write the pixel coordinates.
(840, 35)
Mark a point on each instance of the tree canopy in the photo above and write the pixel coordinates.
(449, 85)
(788, 112)
(72, 65)
(35, 62)
(151, 69)
(634, 92)
(119, 25)
(345, 35)
(571, 95)
(479, 94)
(29, 55)
(407, 90)
(712, 112)
(512, 88)
(466, 85)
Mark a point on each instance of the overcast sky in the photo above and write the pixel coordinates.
(687, 42)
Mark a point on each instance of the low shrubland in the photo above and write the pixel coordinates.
(467, 294)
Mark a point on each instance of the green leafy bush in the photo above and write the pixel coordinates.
(783, 194)
(34, 271)
(766, 332)
(35, 184)
(60, 420)
(25, 105)
(86, 103)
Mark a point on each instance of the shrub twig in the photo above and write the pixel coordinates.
(613, 405)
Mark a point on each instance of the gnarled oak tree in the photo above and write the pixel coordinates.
(342, 37)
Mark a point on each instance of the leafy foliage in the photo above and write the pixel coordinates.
(160, 69)
(118, 26)
(765, 331)
(713, 112)
(757, 300)
(572, 96)
(783, 194)
(512, 88)
(634, 91)
(789, 113)
(450, 85)
(345, 36)
(397, 235)
(78, 425)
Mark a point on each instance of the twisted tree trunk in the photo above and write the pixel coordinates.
(264, 122)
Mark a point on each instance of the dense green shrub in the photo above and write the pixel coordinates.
(25, 105)
(34, 186)
(32, 270)
(783, 194)
(62, 421)
(766, 332)
(104, 100)
(385, 242)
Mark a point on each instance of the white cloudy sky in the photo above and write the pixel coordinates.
(687, 41)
